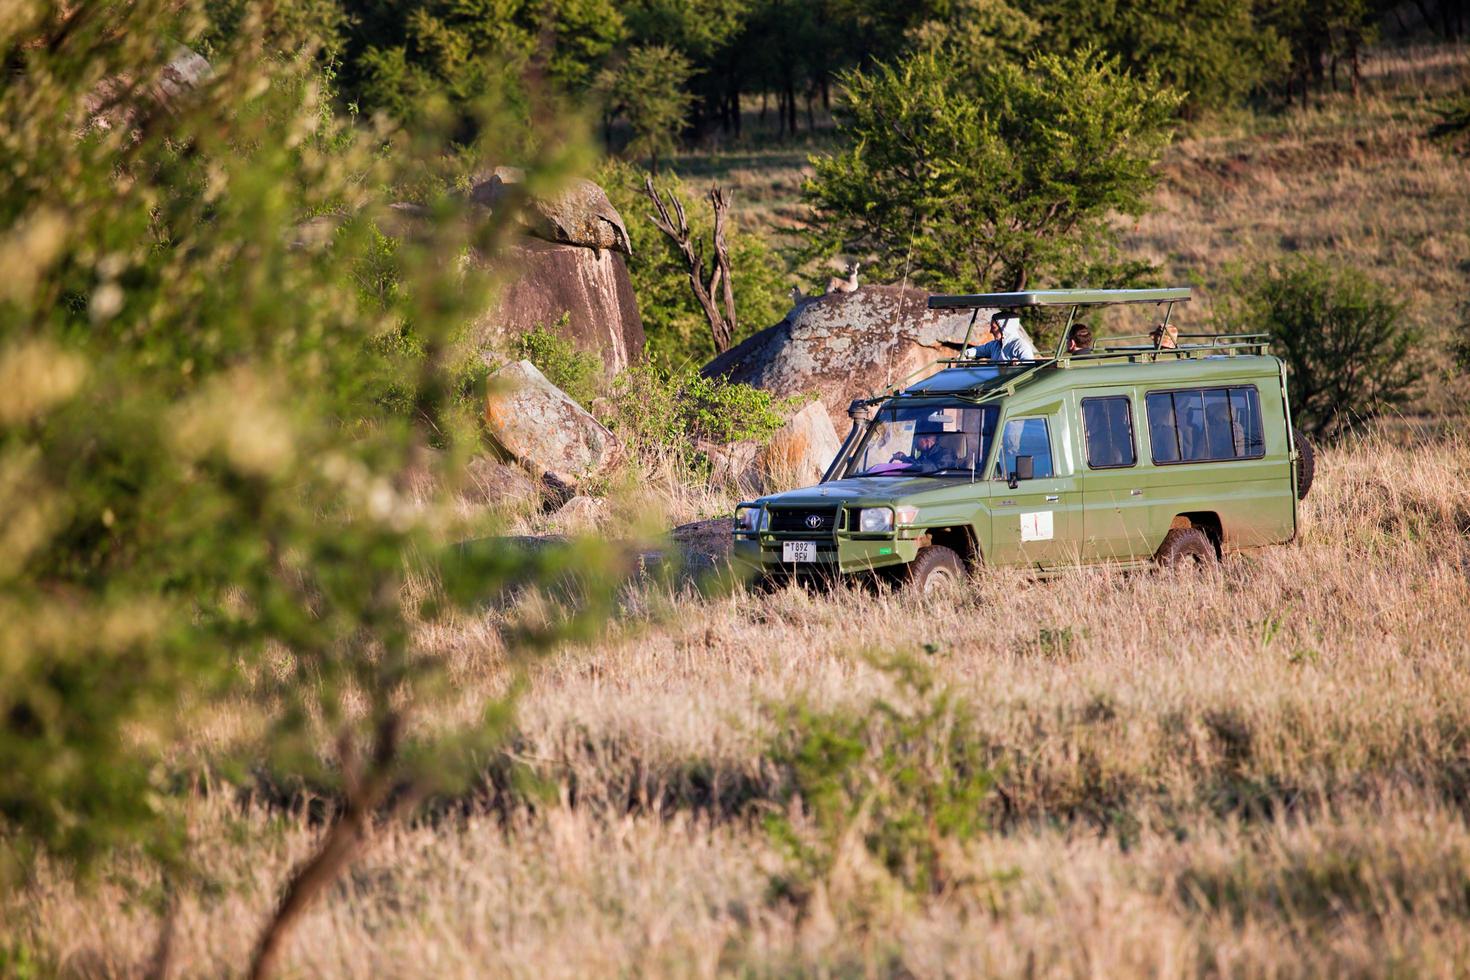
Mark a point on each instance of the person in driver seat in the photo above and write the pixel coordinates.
(929, 455)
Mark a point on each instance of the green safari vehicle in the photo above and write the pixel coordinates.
(1145, 450)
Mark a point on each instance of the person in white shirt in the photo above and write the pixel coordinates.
(1008, 341)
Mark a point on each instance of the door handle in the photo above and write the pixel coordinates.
(1135, 493)
(1052, 498)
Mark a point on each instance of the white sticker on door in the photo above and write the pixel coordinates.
(1036, 527)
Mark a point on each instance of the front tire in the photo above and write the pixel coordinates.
(936, 567)
(1186, 547)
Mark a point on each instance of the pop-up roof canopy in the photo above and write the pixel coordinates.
(1058, 297)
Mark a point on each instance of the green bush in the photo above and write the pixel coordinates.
(576, 372)
(653, 408)
(901, 775)
(1347, 346)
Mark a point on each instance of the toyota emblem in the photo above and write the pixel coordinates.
(814, 521)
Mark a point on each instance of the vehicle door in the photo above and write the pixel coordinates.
(1115, 504)
(1036, 522)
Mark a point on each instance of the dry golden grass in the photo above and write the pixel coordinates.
(1260, 770)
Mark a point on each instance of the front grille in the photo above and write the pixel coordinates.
(803, 521)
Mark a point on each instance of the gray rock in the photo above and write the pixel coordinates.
(536, 423)
(547, 282)
(580, 215)
(847, 345)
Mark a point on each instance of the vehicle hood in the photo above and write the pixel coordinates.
(866, 488)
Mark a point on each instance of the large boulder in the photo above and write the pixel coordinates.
(801, 450)
(590, 288)
(580, 214)
(533, 420)
(847, 345)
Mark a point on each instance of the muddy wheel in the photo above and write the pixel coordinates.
(1306, 466)
(936, 567)
(1186, 547)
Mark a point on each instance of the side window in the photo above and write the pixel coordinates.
(1205, 424)
(1108, 426)
(1026, 437)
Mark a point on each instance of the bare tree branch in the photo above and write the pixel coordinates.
(721, 323)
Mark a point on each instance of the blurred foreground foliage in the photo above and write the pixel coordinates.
(229, 426)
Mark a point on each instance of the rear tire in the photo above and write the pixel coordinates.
(1186, 547)
(934, 568)
(1306, 464)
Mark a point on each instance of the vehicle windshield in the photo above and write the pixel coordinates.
(932, 440)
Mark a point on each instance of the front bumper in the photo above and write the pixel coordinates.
(845, 552)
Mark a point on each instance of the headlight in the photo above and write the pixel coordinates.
(748, 518)
(874, 519)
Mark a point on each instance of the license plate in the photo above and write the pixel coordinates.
(798, 551)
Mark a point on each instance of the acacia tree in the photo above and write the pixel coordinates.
(992, 176)
(648, 89)
(217, 424)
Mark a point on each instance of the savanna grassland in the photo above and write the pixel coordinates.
(1262, 769)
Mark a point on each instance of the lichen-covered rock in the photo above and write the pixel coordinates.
(534, 421)
(847, 345)
(580, 215)
(547, 282)
(801, 450)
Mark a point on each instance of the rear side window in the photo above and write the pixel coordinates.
(1108, 425)
(1026, 437)
(1205, 424)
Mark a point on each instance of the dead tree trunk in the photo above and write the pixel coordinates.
(719, 281)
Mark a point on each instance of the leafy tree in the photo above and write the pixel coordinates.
(227, 433)
(463, 50)
(648, 89)
(1344, 339)
(1214, 52)
(992, 177)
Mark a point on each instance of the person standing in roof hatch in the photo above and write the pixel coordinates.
(1008, 340)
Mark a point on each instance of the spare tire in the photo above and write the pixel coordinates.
(1306, 464)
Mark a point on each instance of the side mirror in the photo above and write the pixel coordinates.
(1025, 470)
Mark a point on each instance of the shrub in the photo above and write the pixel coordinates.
(652, 407)
(901, 775)
(576, 372)
(1347, 348)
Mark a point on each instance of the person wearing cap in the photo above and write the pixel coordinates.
(929, 454)
(1008, 341)
(1165, 336)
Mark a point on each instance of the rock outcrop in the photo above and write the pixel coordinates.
(846, 345)
(534, 421)
(588, 287)
(581, 214)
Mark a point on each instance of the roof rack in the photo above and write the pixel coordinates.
(1058, 297)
